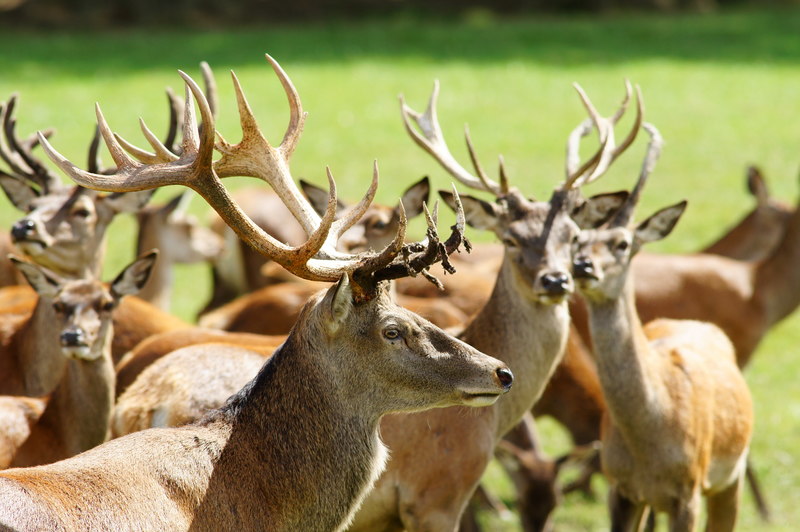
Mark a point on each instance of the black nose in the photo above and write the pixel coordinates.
(555, 282)
(505, 377)
(583, 267)
(72, 338)
(20, 230)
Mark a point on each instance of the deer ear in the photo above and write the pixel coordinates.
(660, 224)
(127, 201)
(757, 185)
(337, 304)
(46, 283)
(415, 196)
(597, 210)
(134, 276)
(479, 214)
(318, 197)
(19, 193)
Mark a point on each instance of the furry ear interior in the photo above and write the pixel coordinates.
(19, 193)
(46, 283)
(318, 197)
(479, 214)
(598, 209)
(134, 276)
(415, 196)
(338, 304)
(127, 201)
(660, 224)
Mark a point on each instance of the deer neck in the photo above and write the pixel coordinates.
(158, 288)
(777, 279)
(527, 335)
(38, 352)
(626, 364)
(322, 452)
(78, 413)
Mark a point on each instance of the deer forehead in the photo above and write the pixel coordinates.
(82, 293)
(540, 225)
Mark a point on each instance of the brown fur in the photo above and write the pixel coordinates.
(679, 412)
(272, 457)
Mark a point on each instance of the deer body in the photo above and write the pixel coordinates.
(680, 415)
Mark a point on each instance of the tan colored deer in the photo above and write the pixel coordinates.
(298, 447)
(64, 229)
(679, 412)
(78, 411)
(180, 239)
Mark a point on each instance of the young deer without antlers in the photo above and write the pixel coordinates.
(439, 457)
(180, 239)
(78, 410)
(298, 447)
(679, 412)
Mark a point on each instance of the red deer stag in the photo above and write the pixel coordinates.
(353, 357)
(679, 412)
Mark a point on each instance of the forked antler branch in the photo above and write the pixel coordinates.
(317, 258)
(625, 213)
(430, 138)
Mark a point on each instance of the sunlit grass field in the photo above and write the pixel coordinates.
(724, 90)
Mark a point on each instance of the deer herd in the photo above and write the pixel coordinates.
(325, 386)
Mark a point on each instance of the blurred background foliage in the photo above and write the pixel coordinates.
(214, 13)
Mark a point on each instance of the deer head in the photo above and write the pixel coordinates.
(64, 227)
(415, 361)
(376, 229)
(83, 307)
(603, 256)
(536, 235)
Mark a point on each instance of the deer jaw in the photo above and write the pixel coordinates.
(400, 352)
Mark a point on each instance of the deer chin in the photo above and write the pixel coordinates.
(31, 247)
(79, 352)
(587, 284)
(547, 298)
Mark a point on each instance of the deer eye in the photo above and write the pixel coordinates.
(81, 213)
(380, 224)
(509, 242)
(391, 333)
(622, 245)
(108, 306)
(59, 307)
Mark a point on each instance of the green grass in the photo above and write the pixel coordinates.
(723, 90)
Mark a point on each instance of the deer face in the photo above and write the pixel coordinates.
(177, 234)
(602, 257)
(83, 307)
(64, 229)
(404, 359)
(536, 236)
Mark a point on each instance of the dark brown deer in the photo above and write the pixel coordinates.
(298, 447)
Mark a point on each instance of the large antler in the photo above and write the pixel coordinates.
(597, 165)
(624, 214)
(432, 140)
(317, 259)
(18, 155)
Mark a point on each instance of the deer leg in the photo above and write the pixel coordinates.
(683, 517)
(758, 495)
(723, 508)
(626, 515)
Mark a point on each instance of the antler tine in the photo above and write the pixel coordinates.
(623, 107)
(297, 116)
(354, 214)
(211, 87)
(504, 185)
(162, 153)
(623, 216)
(254, 156)
(428, 252)
(175, 117)
(19, 155)
(432, 141)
